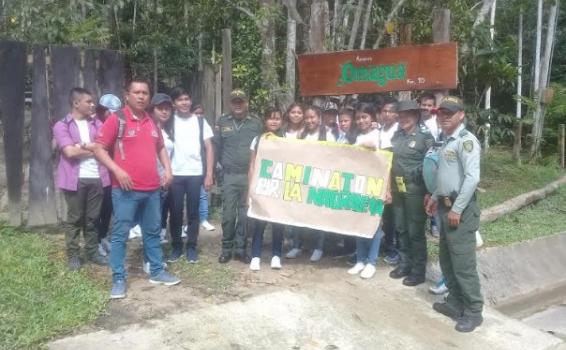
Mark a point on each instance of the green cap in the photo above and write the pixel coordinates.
(238, 94)
(451, 103)
(408, 106)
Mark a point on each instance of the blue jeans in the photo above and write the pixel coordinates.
(203, 205)
(277, 238)
(128, 205)
(367, 250)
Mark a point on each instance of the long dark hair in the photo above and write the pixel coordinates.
(286, 121)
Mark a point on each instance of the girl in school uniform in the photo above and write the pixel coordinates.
(273, 122)
(346, 126)
(294, 121)
(367, 250)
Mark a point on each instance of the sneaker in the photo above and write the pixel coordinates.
(163, 236)
(165, 278)
(276, 263)
(479, 240)
(175, 255)
(254, 264)
(192, 255)
(146, 267)
(135, 232)
(207, 225)
(316, 255)
(101, 250)
(392, 259)
(368, 271)
(293, 253)
(356, 269)
(440, 288)
(74, 263)
(98, 260)
(184, 231)
(434, 231)
(118, 290)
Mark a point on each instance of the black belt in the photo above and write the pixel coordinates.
(235, 171)
(448, 201)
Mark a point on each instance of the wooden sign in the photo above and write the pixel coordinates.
(425, 67)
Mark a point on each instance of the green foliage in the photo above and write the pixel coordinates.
(39, 298)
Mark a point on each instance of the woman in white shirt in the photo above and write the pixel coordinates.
(294, 121)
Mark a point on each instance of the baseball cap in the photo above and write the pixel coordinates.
(238, 94)
(408, 106)
(160, 98)
(329, 106)
(451, 103)
(111, 102)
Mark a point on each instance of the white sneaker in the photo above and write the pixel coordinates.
(479, 240)
(146, 267)
(276, 263)
(184, 231)
(135, 232)
(439, 289)
(356, 268)
(254, 264)
(368, 271)
(207, 225)
(163, 236)
(316, 255)
(293, 253)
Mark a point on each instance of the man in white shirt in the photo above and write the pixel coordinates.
(428, 118)
(191, 165)
(388, 122)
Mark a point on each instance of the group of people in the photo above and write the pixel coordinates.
(160, 156)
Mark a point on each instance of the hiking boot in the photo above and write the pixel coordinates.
(413, 280)
(98, 260)
(175, 255)
(467, 323)
(74, 263)
(399, 272)
(447, 310)
(118, 290)
(165, 278)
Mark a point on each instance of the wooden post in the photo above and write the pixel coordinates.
(226, 68)
(561, 145)
(208, 93)
(441, 34)
(218, 90)
(518, 131)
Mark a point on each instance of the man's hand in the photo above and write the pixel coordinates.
(453, 219)
(426, 200)
(208, 182)
(166, 180)
(388, 197)
(431, 207)
(123, 179)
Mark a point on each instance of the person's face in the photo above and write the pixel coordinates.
(329, 118)
(345, 122)
(273, 123)
(448, 120)
(199, 112)
(239, 107)
(363, 122)
(183, 104)
(84, 105)
(312, 120)
(388, 114)
(296, 115)
(162, 112)
(408, 120)
(427, 105)
(137, 96)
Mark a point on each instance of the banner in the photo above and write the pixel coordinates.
(320, 185)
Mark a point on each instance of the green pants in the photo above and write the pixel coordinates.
(410, 219)
(234, 213)
(457, 257)
(83, 209)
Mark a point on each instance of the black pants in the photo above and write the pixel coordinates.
(103, 222)
(391, 238)
(166, 207)
(185, 190)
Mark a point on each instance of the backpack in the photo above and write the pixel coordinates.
(121, 130)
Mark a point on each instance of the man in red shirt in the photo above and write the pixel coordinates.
(135, 146)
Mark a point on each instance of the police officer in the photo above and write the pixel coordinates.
(410, 144)
(454, 198)
(233, 135)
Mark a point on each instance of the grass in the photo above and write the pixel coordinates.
(39, 298)
(208, 276)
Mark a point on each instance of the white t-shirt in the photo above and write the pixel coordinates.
(88, 168)
(371, 137)
(314, 136)
(432, 126)
(292, 134)
(385, 136)
(187, 160)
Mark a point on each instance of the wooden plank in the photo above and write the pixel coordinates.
(89, 72)
(226, 69)
(42, 208)
(13, 58)
(65, 66)
(369, 71)
(111, 72)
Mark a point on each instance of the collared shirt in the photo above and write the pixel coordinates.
(66, 133)
(232, 138)
(409, 150)
(432, 125)
(142, 141)
(459, 168)
(386, 136)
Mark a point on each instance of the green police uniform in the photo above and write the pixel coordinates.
(408, 192)
(232, 140)
(457, 178)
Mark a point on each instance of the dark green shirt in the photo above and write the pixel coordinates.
(232, 139)
(409, 150)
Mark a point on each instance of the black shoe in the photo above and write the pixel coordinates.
(245, 258)
(413, 280)
(98, 260)
(447, 310)
(224, 258)
(467, 324)
(74, 263)
(399, 272)
(175, 255)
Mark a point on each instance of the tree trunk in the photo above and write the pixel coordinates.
(318, 20)
(487, 125)
(482, 14)
(268, 53)
(519, 66)
(390, 16)
(355, 25)
(441, 34)
(343, 21)
(226, 68)
(336, 20)
(290, 73)
(518, 133)
(366, 24)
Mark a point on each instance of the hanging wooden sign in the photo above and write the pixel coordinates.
(424, 67)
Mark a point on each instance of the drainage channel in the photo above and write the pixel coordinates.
(542, 309)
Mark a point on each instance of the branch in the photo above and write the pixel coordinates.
(244, 10)
(291, 6)
(392, 14)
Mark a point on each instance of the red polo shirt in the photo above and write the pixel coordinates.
(141, 143)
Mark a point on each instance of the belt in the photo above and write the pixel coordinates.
(235, 171)
(448, 202)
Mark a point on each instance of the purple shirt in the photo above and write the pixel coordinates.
(66, 132)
